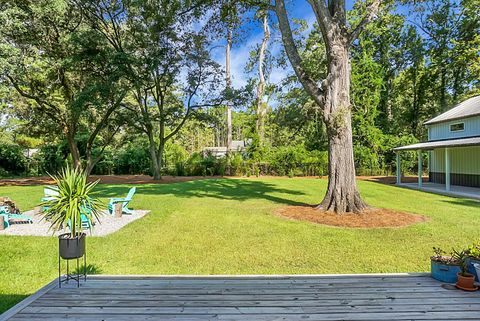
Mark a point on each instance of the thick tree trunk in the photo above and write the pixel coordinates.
(153, 157)
(90, 165)
(160, 152)
(72, 145)
(342, 194)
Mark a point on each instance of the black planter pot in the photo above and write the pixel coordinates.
(71, 248)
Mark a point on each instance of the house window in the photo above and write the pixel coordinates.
(458, 127)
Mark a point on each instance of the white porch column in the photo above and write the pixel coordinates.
(447, 169)
(420, 169)
(399, 169)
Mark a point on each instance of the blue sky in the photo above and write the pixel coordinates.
(252, 36)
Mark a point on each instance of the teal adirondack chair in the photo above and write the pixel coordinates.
(7, 216)
(124, 201)
(49, 193)
(86, 223)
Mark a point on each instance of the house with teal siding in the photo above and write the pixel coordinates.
(453, 148)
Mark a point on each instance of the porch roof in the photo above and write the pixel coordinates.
(459, 142)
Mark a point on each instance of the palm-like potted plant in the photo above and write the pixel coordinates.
(465, 281)
(71, 202)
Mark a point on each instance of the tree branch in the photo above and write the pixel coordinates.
(321, 11)
(337, 10)
(372, 11)
(193, 92)
(101, 124)
(41, 103)
(291, 49)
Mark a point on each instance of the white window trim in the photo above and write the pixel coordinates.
(456, 131)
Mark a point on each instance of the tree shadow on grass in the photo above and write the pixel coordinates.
(463, 202)
(9, 300)
(225, 189)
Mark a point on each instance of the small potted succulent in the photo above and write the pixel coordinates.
(465, 280)
(70, 208)
(444, 267)
(473, 253)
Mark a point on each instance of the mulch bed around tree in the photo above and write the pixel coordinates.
(371, 218)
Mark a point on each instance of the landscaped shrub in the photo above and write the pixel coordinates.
(409, 158)
(284, 159)
(51, 157)
(297, 161)
(236, 163)
(106, 165)
(209, 163)
(368, 162)
(134, 158)
(194, 165)
(174, 155)
(12, 160)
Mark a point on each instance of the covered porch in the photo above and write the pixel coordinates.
(465, 186)
(455, 190)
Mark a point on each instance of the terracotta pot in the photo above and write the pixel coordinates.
(466, 282)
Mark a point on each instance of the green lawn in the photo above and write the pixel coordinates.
(226, 226)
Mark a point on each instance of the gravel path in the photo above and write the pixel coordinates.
(109, 224)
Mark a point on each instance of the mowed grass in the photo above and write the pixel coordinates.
(227, 226)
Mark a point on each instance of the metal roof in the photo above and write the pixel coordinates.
(468, 108)
(459, 142)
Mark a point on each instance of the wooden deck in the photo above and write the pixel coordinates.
(315, 297)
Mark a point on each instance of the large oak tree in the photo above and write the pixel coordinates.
(333, 93)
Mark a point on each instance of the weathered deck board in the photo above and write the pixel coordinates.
(322, 297)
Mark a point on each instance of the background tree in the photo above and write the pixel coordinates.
(60, 69)
(229, 14)
(261, 105)
(169, 67)
(398, 80)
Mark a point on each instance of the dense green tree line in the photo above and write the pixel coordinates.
(122, 87)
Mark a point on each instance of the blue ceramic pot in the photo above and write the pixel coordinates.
(471, 268)
(443, 272)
